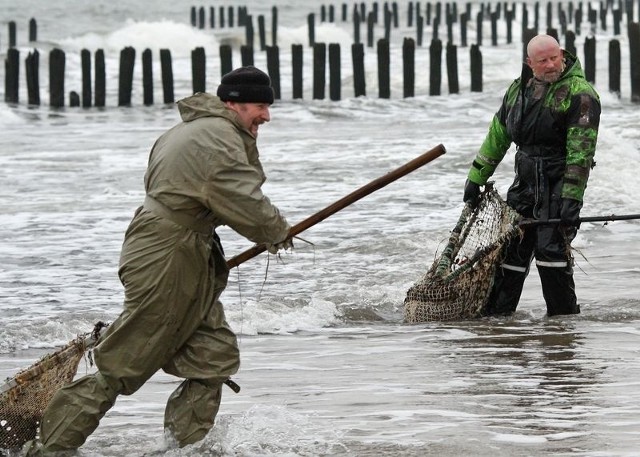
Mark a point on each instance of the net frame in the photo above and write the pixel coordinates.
(458, 283)
(24, 397)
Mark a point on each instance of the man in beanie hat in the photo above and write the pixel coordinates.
(202, 173)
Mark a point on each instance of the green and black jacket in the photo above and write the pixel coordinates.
(555, 132)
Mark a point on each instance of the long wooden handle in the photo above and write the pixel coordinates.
(345, 201)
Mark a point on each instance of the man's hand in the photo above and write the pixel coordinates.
(274, 248)
(570, 212)
(471, 193)
(570, 217)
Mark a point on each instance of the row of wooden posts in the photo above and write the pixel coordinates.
(434, 16)
(319, 69)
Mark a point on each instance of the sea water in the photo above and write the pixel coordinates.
(328, 367)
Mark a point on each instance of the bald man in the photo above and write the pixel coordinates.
(553, 118)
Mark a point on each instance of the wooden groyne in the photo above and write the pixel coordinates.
(427, 28)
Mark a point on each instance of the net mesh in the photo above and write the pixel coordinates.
(24, 397)
(458, 284)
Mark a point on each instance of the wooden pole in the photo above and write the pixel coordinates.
(335, 83)
(273, 68)
(226, 64)
(167, 76)
(198, 70)
(384, 72)
(125, 81)
(147, 77)
(100, 90)
(614, 67)
(12, 76)
(85, 56)
(296, 63)
(435, 65)
(359, 80)
(33, 77)
(319, 68)
(345, 201)
(409, 67)
(452, 68)
(246, 55)
(57, 61)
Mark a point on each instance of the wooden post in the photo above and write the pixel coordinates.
(387, 23)
(634, 51)
(357, 58)
(12, 76)
(419, 29)
(100, 79)
(311, 18)
(590, 59)
(274, 26)
(335, 82)
(296, 63)
(125, 80)
(273, 68)
(248, 28)
(570, 42)
(356, 27)
(230, 16)
(370, 26)
(201, 18)
(85, 57)
(509, 16)
(476, 68)
(435, 65)
(12, 34)
(452, 68)
(617, 19)
(246, 55)
(409, 67)
(464, 18)
(198, 70)
(319, 68)
(167, 76)
(33, 30)
(479, 29)
(614, 66)
(33, 77)
(384, 82)
(221, 17)
(262, 33)
(494, 29)
(74, 99)
(194, 17)
(212, 17)
(56, 78)
(226, 64)
(147, 77)
(410, 15)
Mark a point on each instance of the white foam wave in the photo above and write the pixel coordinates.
(180, 39)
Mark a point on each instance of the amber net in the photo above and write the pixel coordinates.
(458, 284)
(24, 397)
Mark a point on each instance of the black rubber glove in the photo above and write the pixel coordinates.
(570, 217)
(471, 193)
(570, 212)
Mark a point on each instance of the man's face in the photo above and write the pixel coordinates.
(547, 63)
(251, 115)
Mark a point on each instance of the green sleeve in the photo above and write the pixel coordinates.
(582, 134)
(491, 153)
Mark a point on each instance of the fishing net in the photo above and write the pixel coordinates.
(24, 397)
(458, 284)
